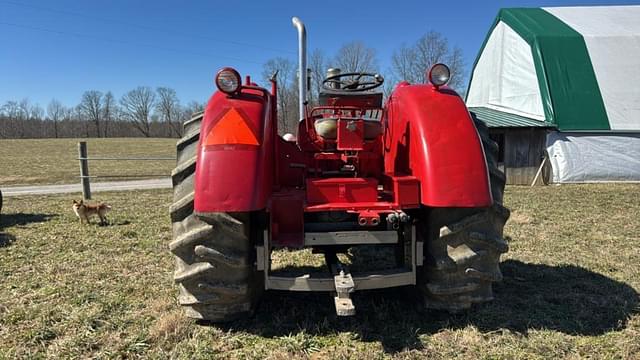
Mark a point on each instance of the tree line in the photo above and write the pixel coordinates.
(145, 112)
(409, 62)
(141, 112)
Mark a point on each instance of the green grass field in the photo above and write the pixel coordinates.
(54, 161)
(570, 290)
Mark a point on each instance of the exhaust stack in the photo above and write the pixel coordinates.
(302, 64)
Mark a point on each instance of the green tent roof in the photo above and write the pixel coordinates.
(571, 97)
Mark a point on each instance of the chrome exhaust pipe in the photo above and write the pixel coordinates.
(302, 64)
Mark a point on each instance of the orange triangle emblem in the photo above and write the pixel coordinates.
(232, 128)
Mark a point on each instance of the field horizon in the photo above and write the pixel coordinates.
(55, 161)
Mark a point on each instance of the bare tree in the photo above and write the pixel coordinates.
(91, 108)
(109, 111)
(318, 66)
(411, 63)
(188, 111)
(194, 107)
(36, 112)
(55, 112)
(24, 108)
(287, 92)
(168, 108)
(355, 56)
(137, 105)
(10, 111)
(22, 120)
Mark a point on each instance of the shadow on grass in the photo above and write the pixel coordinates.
(7, 220)
(6, 239)
(119, 223)
(568, 299)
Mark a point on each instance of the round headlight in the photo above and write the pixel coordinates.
(439, 74)
(228, 80)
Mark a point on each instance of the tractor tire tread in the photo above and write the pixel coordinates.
(186, 140)
(215, 271)
(463, 246)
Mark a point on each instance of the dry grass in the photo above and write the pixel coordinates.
(54, 161)
(570, 290)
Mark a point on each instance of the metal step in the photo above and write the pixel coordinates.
(350, 238)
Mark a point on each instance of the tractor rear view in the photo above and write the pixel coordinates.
(416, 174)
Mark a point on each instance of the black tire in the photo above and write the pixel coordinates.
(463, 246)
(215, 254)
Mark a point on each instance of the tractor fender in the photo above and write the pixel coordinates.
(429, 134)
(234, 164)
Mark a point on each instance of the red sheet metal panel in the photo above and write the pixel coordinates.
(287, 218)
(341, 190)
(431, 136)
(350, 134)
(405, 189)
(234, 167)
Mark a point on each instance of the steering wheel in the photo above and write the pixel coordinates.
(353, 82)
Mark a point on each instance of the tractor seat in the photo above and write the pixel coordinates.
(328, 128)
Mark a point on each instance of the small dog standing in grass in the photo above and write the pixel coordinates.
(85, 211)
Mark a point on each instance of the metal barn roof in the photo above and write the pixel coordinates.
(499, 119)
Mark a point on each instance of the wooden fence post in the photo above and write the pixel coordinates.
(535, 179)
(84, 170)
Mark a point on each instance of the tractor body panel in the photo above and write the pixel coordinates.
(341, 190)
(235, 165)
(430, 135)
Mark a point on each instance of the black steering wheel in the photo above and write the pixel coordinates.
(353, 82)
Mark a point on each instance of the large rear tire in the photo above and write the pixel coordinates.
(463, 246)
(215, 254)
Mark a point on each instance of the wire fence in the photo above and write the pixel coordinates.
(84, 159)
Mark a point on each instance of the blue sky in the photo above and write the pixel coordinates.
(60, 49)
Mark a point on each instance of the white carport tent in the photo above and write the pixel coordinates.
(577, 68)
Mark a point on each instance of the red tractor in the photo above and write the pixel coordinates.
(418, 175)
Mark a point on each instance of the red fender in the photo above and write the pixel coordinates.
(234, 166)
(430, 135)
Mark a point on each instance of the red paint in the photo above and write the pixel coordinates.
(350, 134)
(405, 190)
(236, 177)
(287, 218)
(431, 136)
(380, 206)
(369, 218)
(291, 164)
(362, 100)
(341, 190)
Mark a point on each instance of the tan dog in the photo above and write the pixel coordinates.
(85, 211)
